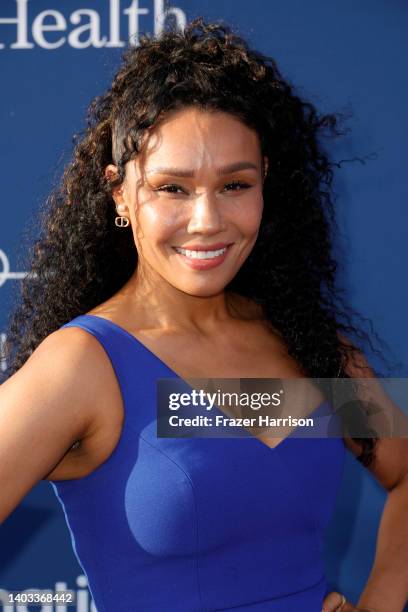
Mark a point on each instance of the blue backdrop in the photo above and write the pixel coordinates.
(55, 55)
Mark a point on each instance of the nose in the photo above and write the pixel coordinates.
(205, 215)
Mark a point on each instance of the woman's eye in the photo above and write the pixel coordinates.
(173, 188)
(169, 188)
(239, 184)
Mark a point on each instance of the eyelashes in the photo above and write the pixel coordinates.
(168, 188)
(173, 187)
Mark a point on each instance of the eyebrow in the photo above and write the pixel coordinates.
(242, 165)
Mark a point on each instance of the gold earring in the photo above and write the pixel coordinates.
(121, 221)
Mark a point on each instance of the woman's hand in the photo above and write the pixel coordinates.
(336, 602)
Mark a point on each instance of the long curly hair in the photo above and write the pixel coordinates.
(80, 257)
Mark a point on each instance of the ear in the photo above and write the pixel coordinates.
(111, 172)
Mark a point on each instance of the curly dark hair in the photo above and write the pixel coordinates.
(81, 258)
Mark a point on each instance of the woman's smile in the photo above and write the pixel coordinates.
(203, 258)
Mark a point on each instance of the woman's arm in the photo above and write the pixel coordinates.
(46, 406)
(387, 587)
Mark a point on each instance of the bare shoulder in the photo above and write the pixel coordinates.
(77, 374)
(61, 394)
(80, 351)
(76, 355)
(101, 398)
(75, 361)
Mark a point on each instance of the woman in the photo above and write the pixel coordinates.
(190, 237)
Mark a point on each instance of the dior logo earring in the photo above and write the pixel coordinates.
(121, 221)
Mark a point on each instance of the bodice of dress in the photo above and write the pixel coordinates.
(198, 524)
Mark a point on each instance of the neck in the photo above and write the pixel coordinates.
(162, 306)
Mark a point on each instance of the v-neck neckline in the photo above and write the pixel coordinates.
(137, 341)
(133, 338)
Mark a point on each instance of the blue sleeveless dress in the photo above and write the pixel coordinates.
(198, 524)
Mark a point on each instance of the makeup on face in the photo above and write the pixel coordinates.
(196, 199)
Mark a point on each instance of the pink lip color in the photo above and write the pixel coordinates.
(206, 247)
(204, 264)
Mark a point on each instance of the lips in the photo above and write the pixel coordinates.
(207, 247)
(204, 263)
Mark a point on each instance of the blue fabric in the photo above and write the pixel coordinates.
(198, 524)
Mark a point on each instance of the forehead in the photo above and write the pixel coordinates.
(191, 132)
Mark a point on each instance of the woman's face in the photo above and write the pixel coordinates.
(194, 199)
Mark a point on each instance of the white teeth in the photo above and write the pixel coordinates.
(200, 254)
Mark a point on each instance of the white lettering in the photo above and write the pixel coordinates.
(114, 25)
(88, 32)
(93, 26)
(160, 16)
(39, 27)
(4, 600)
(133, 13)
(21, 21)
(61, 586)
(82, 595)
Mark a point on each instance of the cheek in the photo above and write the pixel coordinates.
(247, 214)
(156, 221)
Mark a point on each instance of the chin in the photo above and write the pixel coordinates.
(203, 290)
